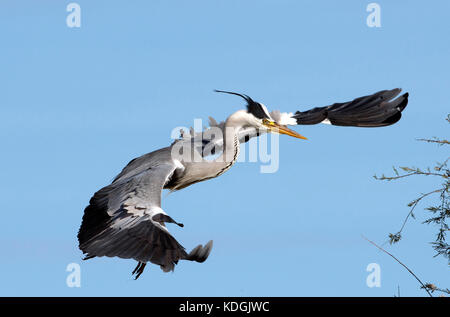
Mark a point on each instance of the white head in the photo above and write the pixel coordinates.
(258, 117)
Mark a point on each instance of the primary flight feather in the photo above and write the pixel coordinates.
(125, 219)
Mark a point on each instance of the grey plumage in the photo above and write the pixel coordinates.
(125, 219)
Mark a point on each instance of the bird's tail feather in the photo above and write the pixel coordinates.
(200, 253)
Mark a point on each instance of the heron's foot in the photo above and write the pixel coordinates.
(139, 270)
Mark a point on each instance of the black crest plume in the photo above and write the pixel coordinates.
(255, 108)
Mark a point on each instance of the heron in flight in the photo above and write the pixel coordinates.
(125, 219)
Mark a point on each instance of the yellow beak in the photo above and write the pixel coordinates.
(276, 128)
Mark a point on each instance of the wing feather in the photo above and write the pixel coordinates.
(118, 220)
(376, 110)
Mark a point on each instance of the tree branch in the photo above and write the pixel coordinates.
(412, 273)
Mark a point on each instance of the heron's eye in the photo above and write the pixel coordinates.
(268, 122)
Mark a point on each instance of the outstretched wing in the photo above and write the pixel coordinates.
(376, 110)
(125, 219)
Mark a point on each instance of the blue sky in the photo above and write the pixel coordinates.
(78, 103)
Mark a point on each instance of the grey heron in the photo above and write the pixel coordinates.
(125, 219)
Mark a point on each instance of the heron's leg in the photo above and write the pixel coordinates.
(139, 269)
(136, 268)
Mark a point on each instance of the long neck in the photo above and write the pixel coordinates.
(199, 171)
(231, 147)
